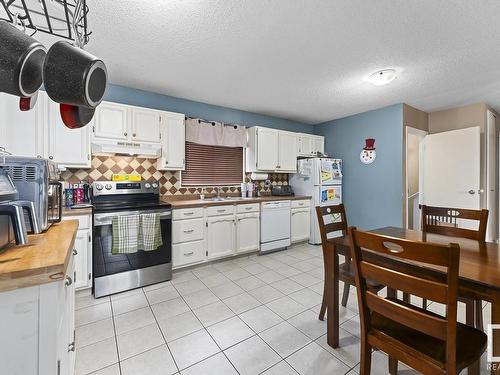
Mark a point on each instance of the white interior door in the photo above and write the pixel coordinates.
(452, 167)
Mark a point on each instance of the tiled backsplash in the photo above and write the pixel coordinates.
(103, 168)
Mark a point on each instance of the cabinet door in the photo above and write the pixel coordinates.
(267, 149)
(247, 232)
(67, 147)
(173, 140)
(220, 236)
(287, 144)
(145, 125)
(22, 133)
(300, 224)
(319, 144)
(306, 145)
(82, 244)
(111, 121)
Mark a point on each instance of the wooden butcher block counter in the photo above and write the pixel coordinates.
(43, 260)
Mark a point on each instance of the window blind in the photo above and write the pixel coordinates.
(212, 165)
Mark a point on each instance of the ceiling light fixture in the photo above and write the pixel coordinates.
(382, 77)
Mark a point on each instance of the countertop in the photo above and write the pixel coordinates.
(43, 260)
(190, 203)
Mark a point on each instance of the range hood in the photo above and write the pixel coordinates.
(100, 146)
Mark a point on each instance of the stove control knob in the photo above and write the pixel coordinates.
(99, 187)
(108, 186)
(147, 185)
(155, 185)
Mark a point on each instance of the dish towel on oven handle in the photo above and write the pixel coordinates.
(125, 234)
(150, 232)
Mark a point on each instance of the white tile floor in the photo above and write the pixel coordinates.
(251, 315)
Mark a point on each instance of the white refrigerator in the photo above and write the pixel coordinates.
(320, 178)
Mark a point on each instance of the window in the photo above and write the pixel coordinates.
(212, 165)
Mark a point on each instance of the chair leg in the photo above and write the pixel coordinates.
(479, 314)
(366, 358)
(345, 295)
(475, 368)
(469, 312)
(322, 311)
(393, 366)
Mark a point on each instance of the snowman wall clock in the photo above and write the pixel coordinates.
(368, 154)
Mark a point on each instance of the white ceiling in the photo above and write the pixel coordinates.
(305, 60)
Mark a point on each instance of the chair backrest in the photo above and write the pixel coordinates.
(442, 291)
(337, 220)
(446, 221)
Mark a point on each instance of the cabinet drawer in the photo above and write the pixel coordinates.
(85, 221)
(242, 208)
(187, 253)
(187, 230)
(187, 213)
(220, 210)
(301, 203)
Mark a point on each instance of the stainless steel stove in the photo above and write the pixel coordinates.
(114, 273)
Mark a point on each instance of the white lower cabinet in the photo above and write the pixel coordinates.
(220, 236)
(38, 336)
(247, 232)
(83, 251)
(188, 253)
(301, 219)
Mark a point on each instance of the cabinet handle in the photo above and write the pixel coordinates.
(133, 134)
(189, 254)
(68, 281)
(248, 208)
(39, 156)
(223, 210)
(166, 161)
(88, 156)
(188, 213)
(189, 231)
(75, 252)
(51, 157)
(125, 134)
(71, 347)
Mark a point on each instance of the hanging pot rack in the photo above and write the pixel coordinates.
(62, 18)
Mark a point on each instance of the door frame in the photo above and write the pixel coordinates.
(421, 134)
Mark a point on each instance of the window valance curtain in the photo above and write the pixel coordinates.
(215, 133)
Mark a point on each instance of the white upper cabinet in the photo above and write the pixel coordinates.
(22, 133)
(67, 147)
(173, 137)
(287, 145)
(271, 150)
(122, 122)
(111, 121)
(319, 144)
(145, 125)
(311, 145)
(267, 146)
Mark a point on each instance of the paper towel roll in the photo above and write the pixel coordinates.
(258, 176)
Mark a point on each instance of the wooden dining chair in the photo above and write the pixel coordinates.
(337, 223)
(427, 342)
(446, 221)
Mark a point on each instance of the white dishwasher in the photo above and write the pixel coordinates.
(274, 226)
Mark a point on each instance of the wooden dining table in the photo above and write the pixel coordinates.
(479, 274)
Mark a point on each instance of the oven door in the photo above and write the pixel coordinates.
(106, 264)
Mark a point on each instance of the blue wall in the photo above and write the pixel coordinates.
(130, 96)
(372, 193)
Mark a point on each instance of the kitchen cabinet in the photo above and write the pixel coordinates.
(39, 337)
(311, 145)
(247, 232)
(67, 147)
(23, 133)
(173, 140)
(220, 236)
(111, 121)
(300, 224)
(319, 144)
(271, 150)
(83, 252)
(120, 122)
(188, 237)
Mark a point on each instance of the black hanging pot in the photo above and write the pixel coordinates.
(21, 64)
(77, 80)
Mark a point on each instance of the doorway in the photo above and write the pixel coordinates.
(413, 183)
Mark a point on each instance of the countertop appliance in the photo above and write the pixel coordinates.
(114, 273)
(282, 190)
(274, 226)
(320, 178)
(37, 181)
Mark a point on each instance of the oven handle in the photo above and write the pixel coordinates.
(106, 219)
